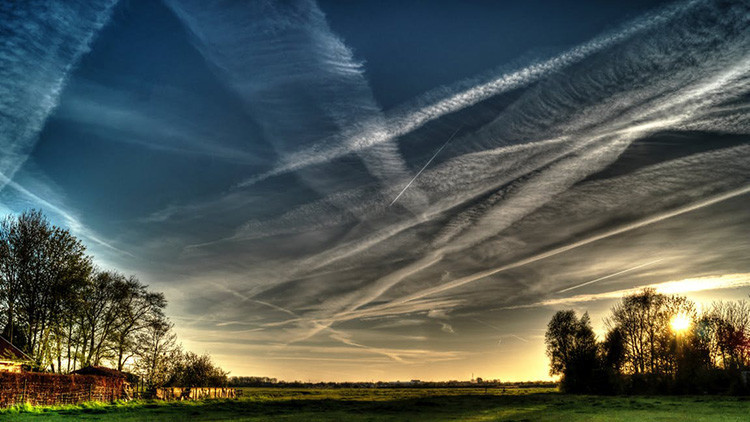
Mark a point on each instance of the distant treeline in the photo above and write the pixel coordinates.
(479, 383)
(65, 313)
(655, 344)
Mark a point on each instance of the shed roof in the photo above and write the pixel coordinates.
(101, 371)
(10, 352)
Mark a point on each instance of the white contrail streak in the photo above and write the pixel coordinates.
(610, 276)
(75, 225)
(354, 314)
(290, 48)
(415, 115)
(40, 44)
(424, 167)
(699, 284)
(648, 221)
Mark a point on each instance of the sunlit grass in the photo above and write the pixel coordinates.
(379, 405)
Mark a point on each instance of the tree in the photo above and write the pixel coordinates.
(11, 244)
(61, 311)
(613, 350)
(644, 319)
(99, 316)
(194, 370)
(157, 353)
(41, 268)
(727, 327)
(136, 306)
(572, 349)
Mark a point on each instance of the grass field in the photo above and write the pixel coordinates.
(353, 405)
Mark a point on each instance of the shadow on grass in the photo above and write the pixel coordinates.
(415, 408)
(470, 407)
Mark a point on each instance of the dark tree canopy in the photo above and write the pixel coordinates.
(572, 349)
(194, 370)
(655, 343)
(66, 314)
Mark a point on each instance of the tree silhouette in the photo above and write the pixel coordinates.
(572, 349)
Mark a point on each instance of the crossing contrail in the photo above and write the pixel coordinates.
(424, 167)
(609, 276)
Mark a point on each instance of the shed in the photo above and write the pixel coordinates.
(103, 371)
(12, 358)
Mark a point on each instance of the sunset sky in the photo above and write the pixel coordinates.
(386, 190)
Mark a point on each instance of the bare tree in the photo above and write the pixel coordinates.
(136, 307)
(728, 329)
(157, 352)
(643, 320)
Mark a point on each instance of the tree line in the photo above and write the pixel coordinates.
(654, 343)
(66, 314)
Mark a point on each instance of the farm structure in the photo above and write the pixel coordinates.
(55, 389)
(12, 359)
(196, 393)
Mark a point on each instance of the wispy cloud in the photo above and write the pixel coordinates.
(42, 43)
(337, 100)
(568, 163)
(449, 100)
(165, 121)
(68, 219)
(678, 287)
(615, 274)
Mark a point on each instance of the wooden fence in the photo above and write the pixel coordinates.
(52, 389)
(195, 393)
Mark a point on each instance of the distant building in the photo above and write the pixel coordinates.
(12, 359)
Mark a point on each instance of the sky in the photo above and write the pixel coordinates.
(386, 190)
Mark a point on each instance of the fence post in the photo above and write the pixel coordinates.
(23, 394)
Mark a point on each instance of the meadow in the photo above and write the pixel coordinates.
(352, 405)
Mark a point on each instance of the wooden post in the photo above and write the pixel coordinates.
(23, 395)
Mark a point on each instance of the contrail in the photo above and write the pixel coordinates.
(41, 41)
(75, 225)
(345, 316)
(424, 167)
(310, 55)
(626, 228)
(610, 275)
(412, 116)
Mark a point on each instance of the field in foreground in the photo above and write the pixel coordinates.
(352, 405)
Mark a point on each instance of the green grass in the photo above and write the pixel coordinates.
(354, 405)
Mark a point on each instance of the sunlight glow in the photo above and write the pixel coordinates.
(680, 323)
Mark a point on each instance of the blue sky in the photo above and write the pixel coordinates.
(412, 187)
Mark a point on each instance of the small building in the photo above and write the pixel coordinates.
(12, 359)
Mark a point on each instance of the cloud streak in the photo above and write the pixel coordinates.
(41, 43)
(596, 280)
(446, 101)
(676, 287)
(306, 89)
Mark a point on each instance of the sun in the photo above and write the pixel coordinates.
(680, 323)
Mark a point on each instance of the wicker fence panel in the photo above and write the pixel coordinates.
(195, 393)
(53, 389)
